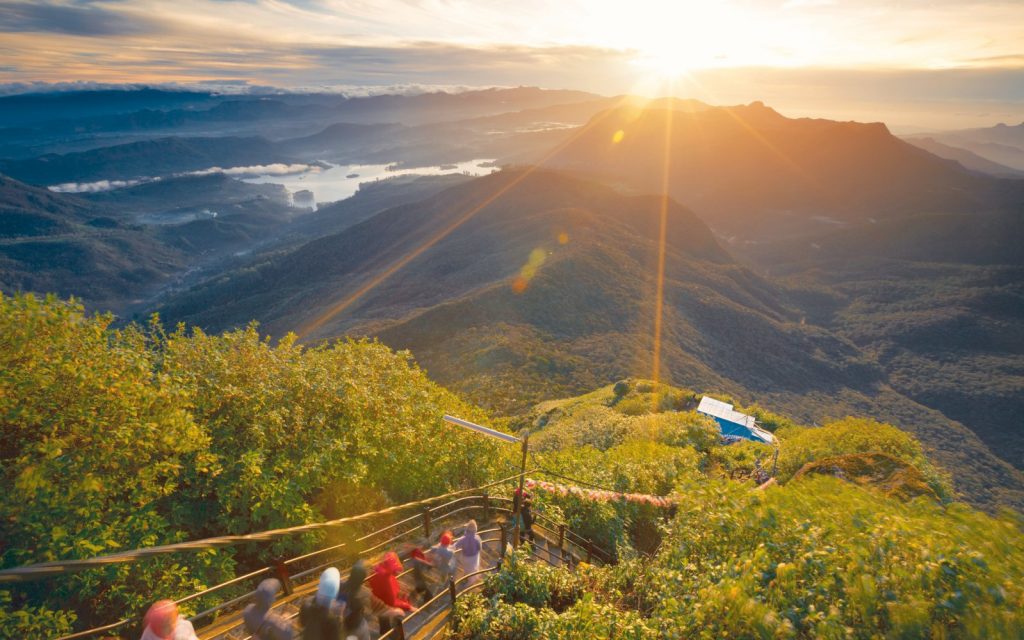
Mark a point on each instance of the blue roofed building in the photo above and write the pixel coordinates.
(732, 423)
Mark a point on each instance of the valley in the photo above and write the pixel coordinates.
(537, 281)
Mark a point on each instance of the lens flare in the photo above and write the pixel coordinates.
(529, 270)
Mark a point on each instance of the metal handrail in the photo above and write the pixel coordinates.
(44, 569)
(234, 601)
(406, 572)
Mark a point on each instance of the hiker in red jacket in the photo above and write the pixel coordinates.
(384, 582)
(385, 590)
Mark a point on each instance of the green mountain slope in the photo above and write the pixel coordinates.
(51, 242)
(936, 300)
(505, 312)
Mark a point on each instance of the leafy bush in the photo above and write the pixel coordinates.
(854, 435)
(596, 426)
(521, 580)
(679, 429)
(816, 558)
(117, 439)
(820, 557)
(533, 600)
(636, 404)
(739, 460)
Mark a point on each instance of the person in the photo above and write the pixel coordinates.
(260, 621)
(420, 565)
(470, 545)
(384, 582)
(525, 514)
(356, 599)
(163, 623)
(384, 586)
(320, 615)
(444, 557)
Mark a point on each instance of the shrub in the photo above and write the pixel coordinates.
(679, 429)
(117, 439)
(636, 404)
(798, 446)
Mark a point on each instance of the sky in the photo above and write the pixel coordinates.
(912, 63)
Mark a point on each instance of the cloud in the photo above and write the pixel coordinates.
(79, 19)
(278, 169)
(99, 185)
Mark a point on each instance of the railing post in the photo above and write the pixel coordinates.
(590, 552)
(504, 543)
(487, 507)
(399, 628)
(452, 593)
(561, 543)
(426, 522)
(281, 573)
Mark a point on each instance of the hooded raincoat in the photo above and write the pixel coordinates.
(163, 623)
(470, 546)
(320, 615)
(260, 621)
(357, 602)
(384, 582)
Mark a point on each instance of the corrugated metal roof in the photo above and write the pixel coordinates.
(723, 410)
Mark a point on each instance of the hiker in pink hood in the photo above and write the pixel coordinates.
(164, 623)
(470, 546)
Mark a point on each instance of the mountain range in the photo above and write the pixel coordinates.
(552, 287)
(752, 173)
(825, 268)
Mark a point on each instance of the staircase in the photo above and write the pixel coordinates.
(431, 618)
(555, 544)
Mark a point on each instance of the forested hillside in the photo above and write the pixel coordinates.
(115, 439)
(860, 538)
(119, 439)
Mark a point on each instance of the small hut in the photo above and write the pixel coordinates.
(732, 423)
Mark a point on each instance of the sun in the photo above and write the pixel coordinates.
(674, 39)
(667, 62)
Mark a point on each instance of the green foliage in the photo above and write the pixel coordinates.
(816, 558)
(636, 466)
(679, 429)
(521, 580)
(854, 435)
(595, 426)
(820, 557)
(31, 622)
(533, 600)
(739, 460)
(119, 439)
(94, 448)
(636, 404)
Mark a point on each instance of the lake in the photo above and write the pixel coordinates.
(342, 181)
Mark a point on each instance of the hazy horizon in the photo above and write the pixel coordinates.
(915, 66)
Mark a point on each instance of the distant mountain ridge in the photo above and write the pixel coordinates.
(1002, 143)
(968, 159)
(752, 172)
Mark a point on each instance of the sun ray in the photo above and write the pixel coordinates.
(659, 287)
